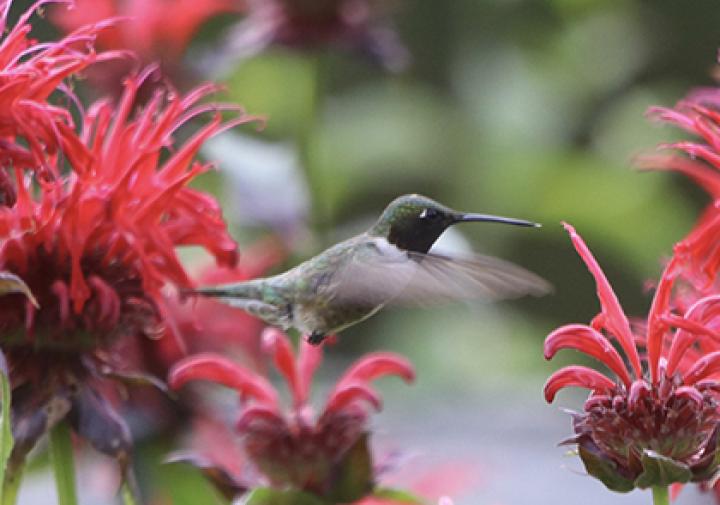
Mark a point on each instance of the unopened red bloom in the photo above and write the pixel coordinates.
(157, 30)
(294, 447)
(308, 24)
(656, 422)
(32, 129)
(97, 248)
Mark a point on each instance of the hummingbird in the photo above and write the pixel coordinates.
(390, 263)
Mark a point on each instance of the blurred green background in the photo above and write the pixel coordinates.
(532, 109)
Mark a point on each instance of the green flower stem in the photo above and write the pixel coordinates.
(661, 496)
(63, 463)
(11, 487)
(128, 496)
(10, 475)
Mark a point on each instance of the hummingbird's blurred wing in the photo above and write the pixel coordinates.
(412, 278)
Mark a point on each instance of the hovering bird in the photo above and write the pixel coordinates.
(389, 263)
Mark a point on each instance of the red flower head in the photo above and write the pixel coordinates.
(699, 159)
(308, 24)
(294, 448)
(30, 73)
(146, 29)
(97, 247)
(698, 114)
(643, 429)
(156, 31)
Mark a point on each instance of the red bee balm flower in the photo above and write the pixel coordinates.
(699, 159)
(353, 25)
(147, 28)
(642, 430)
(295, 448)
(698, 114)
(29, 74)
(97, 247)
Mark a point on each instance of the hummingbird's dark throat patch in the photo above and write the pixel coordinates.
(415, 236)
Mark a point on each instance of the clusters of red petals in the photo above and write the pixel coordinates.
(93, 226)
(97, 246)
(699, 159)
(293, 446)
(663, 401)
(32, 130)
(148, 29)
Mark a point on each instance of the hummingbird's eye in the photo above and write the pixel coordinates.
(429, 214)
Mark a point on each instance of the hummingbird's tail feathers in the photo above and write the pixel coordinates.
(252, 289)
(249, 296)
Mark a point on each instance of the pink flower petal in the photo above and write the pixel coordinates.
(308, 361)
(277, 344)
(615, 319)
(691, 394)
(375, 365)
(656, 325)
(689, 331)
(351, 393)
(578, 376)
(259, 418)
(589, 341)
(639, 390)
(706, 366)
(216, 368)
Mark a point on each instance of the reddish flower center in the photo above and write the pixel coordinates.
(299, 453)
(117, 304)
(673, 420)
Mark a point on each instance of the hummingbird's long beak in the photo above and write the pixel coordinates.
(462, 218)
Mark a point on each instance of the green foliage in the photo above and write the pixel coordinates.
(267, 496)
(605, 471)
(63, 463)
(278, 86)
(180, 484)
(6, 438)
(398, 495)
(661, 471)
(658, 471)
(354, 477)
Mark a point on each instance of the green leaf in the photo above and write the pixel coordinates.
(183, 484)
(63, 463)
(267, 496)
(604, 470)
(397, 495)
(353, 476)
(6, 438)
(659, 470)
(11, 283)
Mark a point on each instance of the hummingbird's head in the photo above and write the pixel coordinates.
(415, 222)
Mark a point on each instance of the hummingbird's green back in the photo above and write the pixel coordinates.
(352, 280)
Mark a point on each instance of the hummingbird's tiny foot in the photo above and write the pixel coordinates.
(316, 338)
